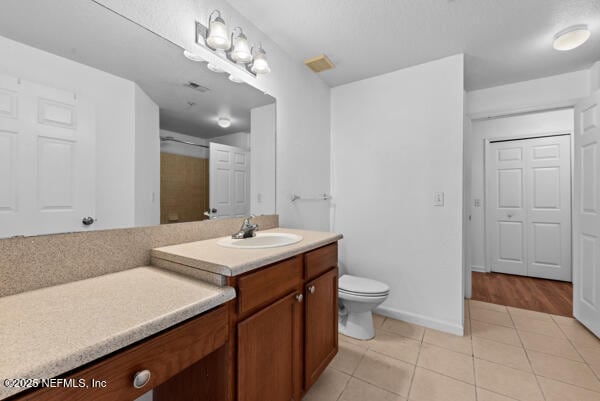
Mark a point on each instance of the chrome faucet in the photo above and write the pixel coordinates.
(247, 230)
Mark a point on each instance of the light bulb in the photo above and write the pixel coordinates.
(241, 49)
(217, 36)
(260, 65)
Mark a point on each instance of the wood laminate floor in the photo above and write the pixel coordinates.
(548, 296)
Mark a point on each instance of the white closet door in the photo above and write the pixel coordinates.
(586, 214)
(548, 200)
(47, 159)
(229, 181)
(529, 207)
(505, 171)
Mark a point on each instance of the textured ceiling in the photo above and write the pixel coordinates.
(504, 40)
(88, 33)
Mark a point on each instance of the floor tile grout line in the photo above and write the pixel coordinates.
(412, 377)
(545, 353)
(472, 352)
(570, 384)
(577, 350)
(530, 363)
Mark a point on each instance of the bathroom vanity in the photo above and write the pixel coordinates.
(283, 323)
(225, 324)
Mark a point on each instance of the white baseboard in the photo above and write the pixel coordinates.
(436, 324)
(480, 269)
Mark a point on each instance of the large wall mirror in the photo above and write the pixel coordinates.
(104, 124)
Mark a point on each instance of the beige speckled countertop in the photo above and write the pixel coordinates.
(47, 332)
(207, 255)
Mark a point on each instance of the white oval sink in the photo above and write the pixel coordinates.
(262, 240)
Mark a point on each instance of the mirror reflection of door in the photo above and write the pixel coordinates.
(229, 174)
(81, 130)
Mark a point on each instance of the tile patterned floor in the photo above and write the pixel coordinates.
(507, 354)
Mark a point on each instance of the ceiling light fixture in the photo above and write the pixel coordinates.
(224, 122)
(217, 36)
(571, 38)
(234, 47)
(260, 65)
(235, 79)
(215, 68)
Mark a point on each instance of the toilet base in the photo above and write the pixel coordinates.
(357, 325)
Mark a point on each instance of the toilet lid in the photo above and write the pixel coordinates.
(361, 285)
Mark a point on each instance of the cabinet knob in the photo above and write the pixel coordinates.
(299, 297)
(141, 378)
(311, 289)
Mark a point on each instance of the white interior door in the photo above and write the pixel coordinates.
(47, 159)
(505, 171)
(586, 217)
(529, 207)
(229, 181)
(548, 200)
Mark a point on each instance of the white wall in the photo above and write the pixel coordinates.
(147, 160)
(262, 160)
(237, 139)
(396, 139)
(538, 94)
(595, 77)
(534, 124)
(183, 149)
(113, 98)
(303, 142)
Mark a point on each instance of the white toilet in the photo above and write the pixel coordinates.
(358, 296)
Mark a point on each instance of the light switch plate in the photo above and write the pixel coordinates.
(438, 199)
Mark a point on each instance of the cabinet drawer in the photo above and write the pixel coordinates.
(164, 356)
(320, 260)
(260, 288)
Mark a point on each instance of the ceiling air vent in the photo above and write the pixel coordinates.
(319, 63)
(195, 86)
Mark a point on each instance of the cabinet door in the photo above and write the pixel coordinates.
(269, 346)
(321, 325)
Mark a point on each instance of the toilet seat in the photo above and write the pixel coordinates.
(362, 287)
(362, 294)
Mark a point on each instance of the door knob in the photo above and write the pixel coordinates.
(311, 289)
(510, 215)
(299, 297)
(88, 221)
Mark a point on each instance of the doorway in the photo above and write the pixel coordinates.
(528, 207)
(519, 210)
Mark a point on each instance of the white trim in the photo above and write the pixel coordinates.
(436, 324)
(480, 269)
(531, 109)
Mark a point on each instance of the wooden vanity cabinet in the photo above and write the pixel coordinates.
(269, 346)
(320, 325)
(200, 341)
(286, 328)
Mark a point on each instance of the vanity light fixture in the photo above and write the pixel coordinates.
(571, 38)
(217, 37)
(234, 48)
(235, 79)
(224, 122)
(240, 52)
(260, 65)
